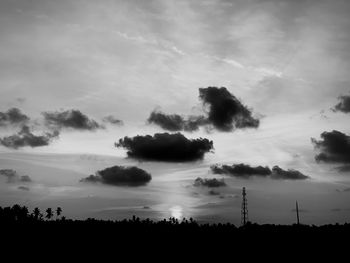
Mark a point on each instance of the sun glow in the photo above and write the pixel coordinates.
(176, 211)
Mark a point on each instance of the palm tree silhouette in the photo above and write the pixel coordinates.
(49, 213)
(20, 213)
(58, 212)
(37, 214)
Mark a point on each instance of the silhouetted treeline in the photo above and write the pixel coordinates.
(21, 214)
(50, 231)
(52, 217)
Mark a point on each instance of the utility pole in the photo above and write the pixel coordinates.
(244, 209)
(297, 210)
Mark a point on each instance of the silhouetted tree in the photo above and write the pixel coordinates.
(19, 213)
(37, 214)
(58, 212)
(49, 213)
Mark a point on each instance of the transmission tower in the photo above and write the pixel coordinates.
(297, 211)
(244, 210)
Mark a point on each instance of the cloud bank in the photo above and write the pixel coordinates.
(241, 170)
(26, 138)
(290, 174)
(224, 112)
(247, 171)
(165, 147)
(175, 122)
(213, 182)
(120, 176)
(13, 116)
(343, 105)
(73, 119)
(334, 147)
(12, 176)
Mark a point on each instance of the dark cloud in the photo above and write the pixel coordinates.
(175, 122)
(26, 138)
(91, 179)
(170, 122)
(247, 171)
(241, 170)
(343, 169)
(73, 119)
(120, 176)
(212, 192)
(12, 176)
(209, 182)
(165, 147)
(343, 105)
(290, 174)
(12, 117)
(112, 120)
(343, 190)
(193, 122)
(334, 147)
(25, 178)
(226, 112)
(24, 188)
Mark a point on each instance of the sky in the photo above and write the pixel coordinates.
(286, 62)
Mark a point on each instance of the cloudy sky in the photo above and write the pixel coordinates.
(78, 76)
